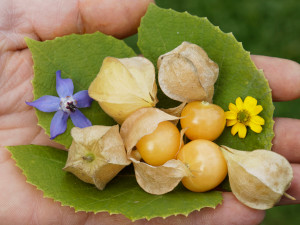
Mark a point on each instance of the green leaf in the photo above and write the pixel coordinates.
(162, 30)
(122, 194)
(79, 57)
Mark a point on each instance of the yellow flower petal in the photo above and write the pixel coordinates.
(250, 102)
(242, 131)
(255, 110)
(255, 127)
(258, 120)
(230, 123)
(230, 115)
(239, 103)
(235, 129)
(232, 107)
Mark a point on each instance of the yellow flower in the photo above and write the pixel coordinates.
(244, 114)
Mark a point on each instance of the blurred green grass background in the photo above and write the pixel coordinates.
(265, 27)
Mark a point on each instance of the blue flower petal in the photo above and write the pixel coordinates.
(64, 87)
(79, 120)
(46, 103)
(83, 99)
(58, 123)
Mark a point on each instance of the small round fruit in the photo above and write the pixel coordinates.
(206, 162)
(161, 145)
(203, 120)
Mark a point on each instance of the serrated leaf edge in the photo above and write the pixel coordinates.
(110, 212)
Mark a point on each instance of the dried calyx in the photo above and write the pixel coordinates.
(142, 122)
(124, 85)
(97, 154)
(257, 178)
(187, 73)
(153, 179)
(175, 111)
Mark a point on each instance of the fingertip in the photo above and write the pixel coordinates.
(287, 138)
(283, 76)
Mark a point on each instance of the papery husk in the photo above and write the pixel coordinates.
(142, 122)
(159, 180)
(182, 132)
(257, 178)
(124, 85)
(106, 146)
(175, 111)
(187, 74)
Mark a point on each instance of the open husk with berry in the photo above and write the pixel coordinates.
(163, 172)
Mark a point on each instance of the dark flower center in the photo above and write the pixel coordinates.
(68, 104)
(71, 106)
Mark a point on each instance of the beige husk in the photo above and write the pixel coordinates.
(97, 154)
(175, 111)
(159, 180)
(257, 178)
(124, 85)
(187, 73)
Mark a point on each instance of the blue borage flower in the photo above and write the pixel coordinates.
(65, 105)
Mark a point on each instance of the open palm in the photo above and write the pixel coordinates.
(20, 202)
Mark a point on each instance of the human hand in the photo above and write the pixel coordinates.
(20, 202)
(284, 79)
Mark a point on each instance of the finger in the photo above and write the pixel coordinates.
(115, 17)
(45, 20)
(287, 138)
(283, 76)
(294, 189)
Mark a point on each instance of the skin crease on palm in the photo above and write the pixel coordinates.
(20, 202)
